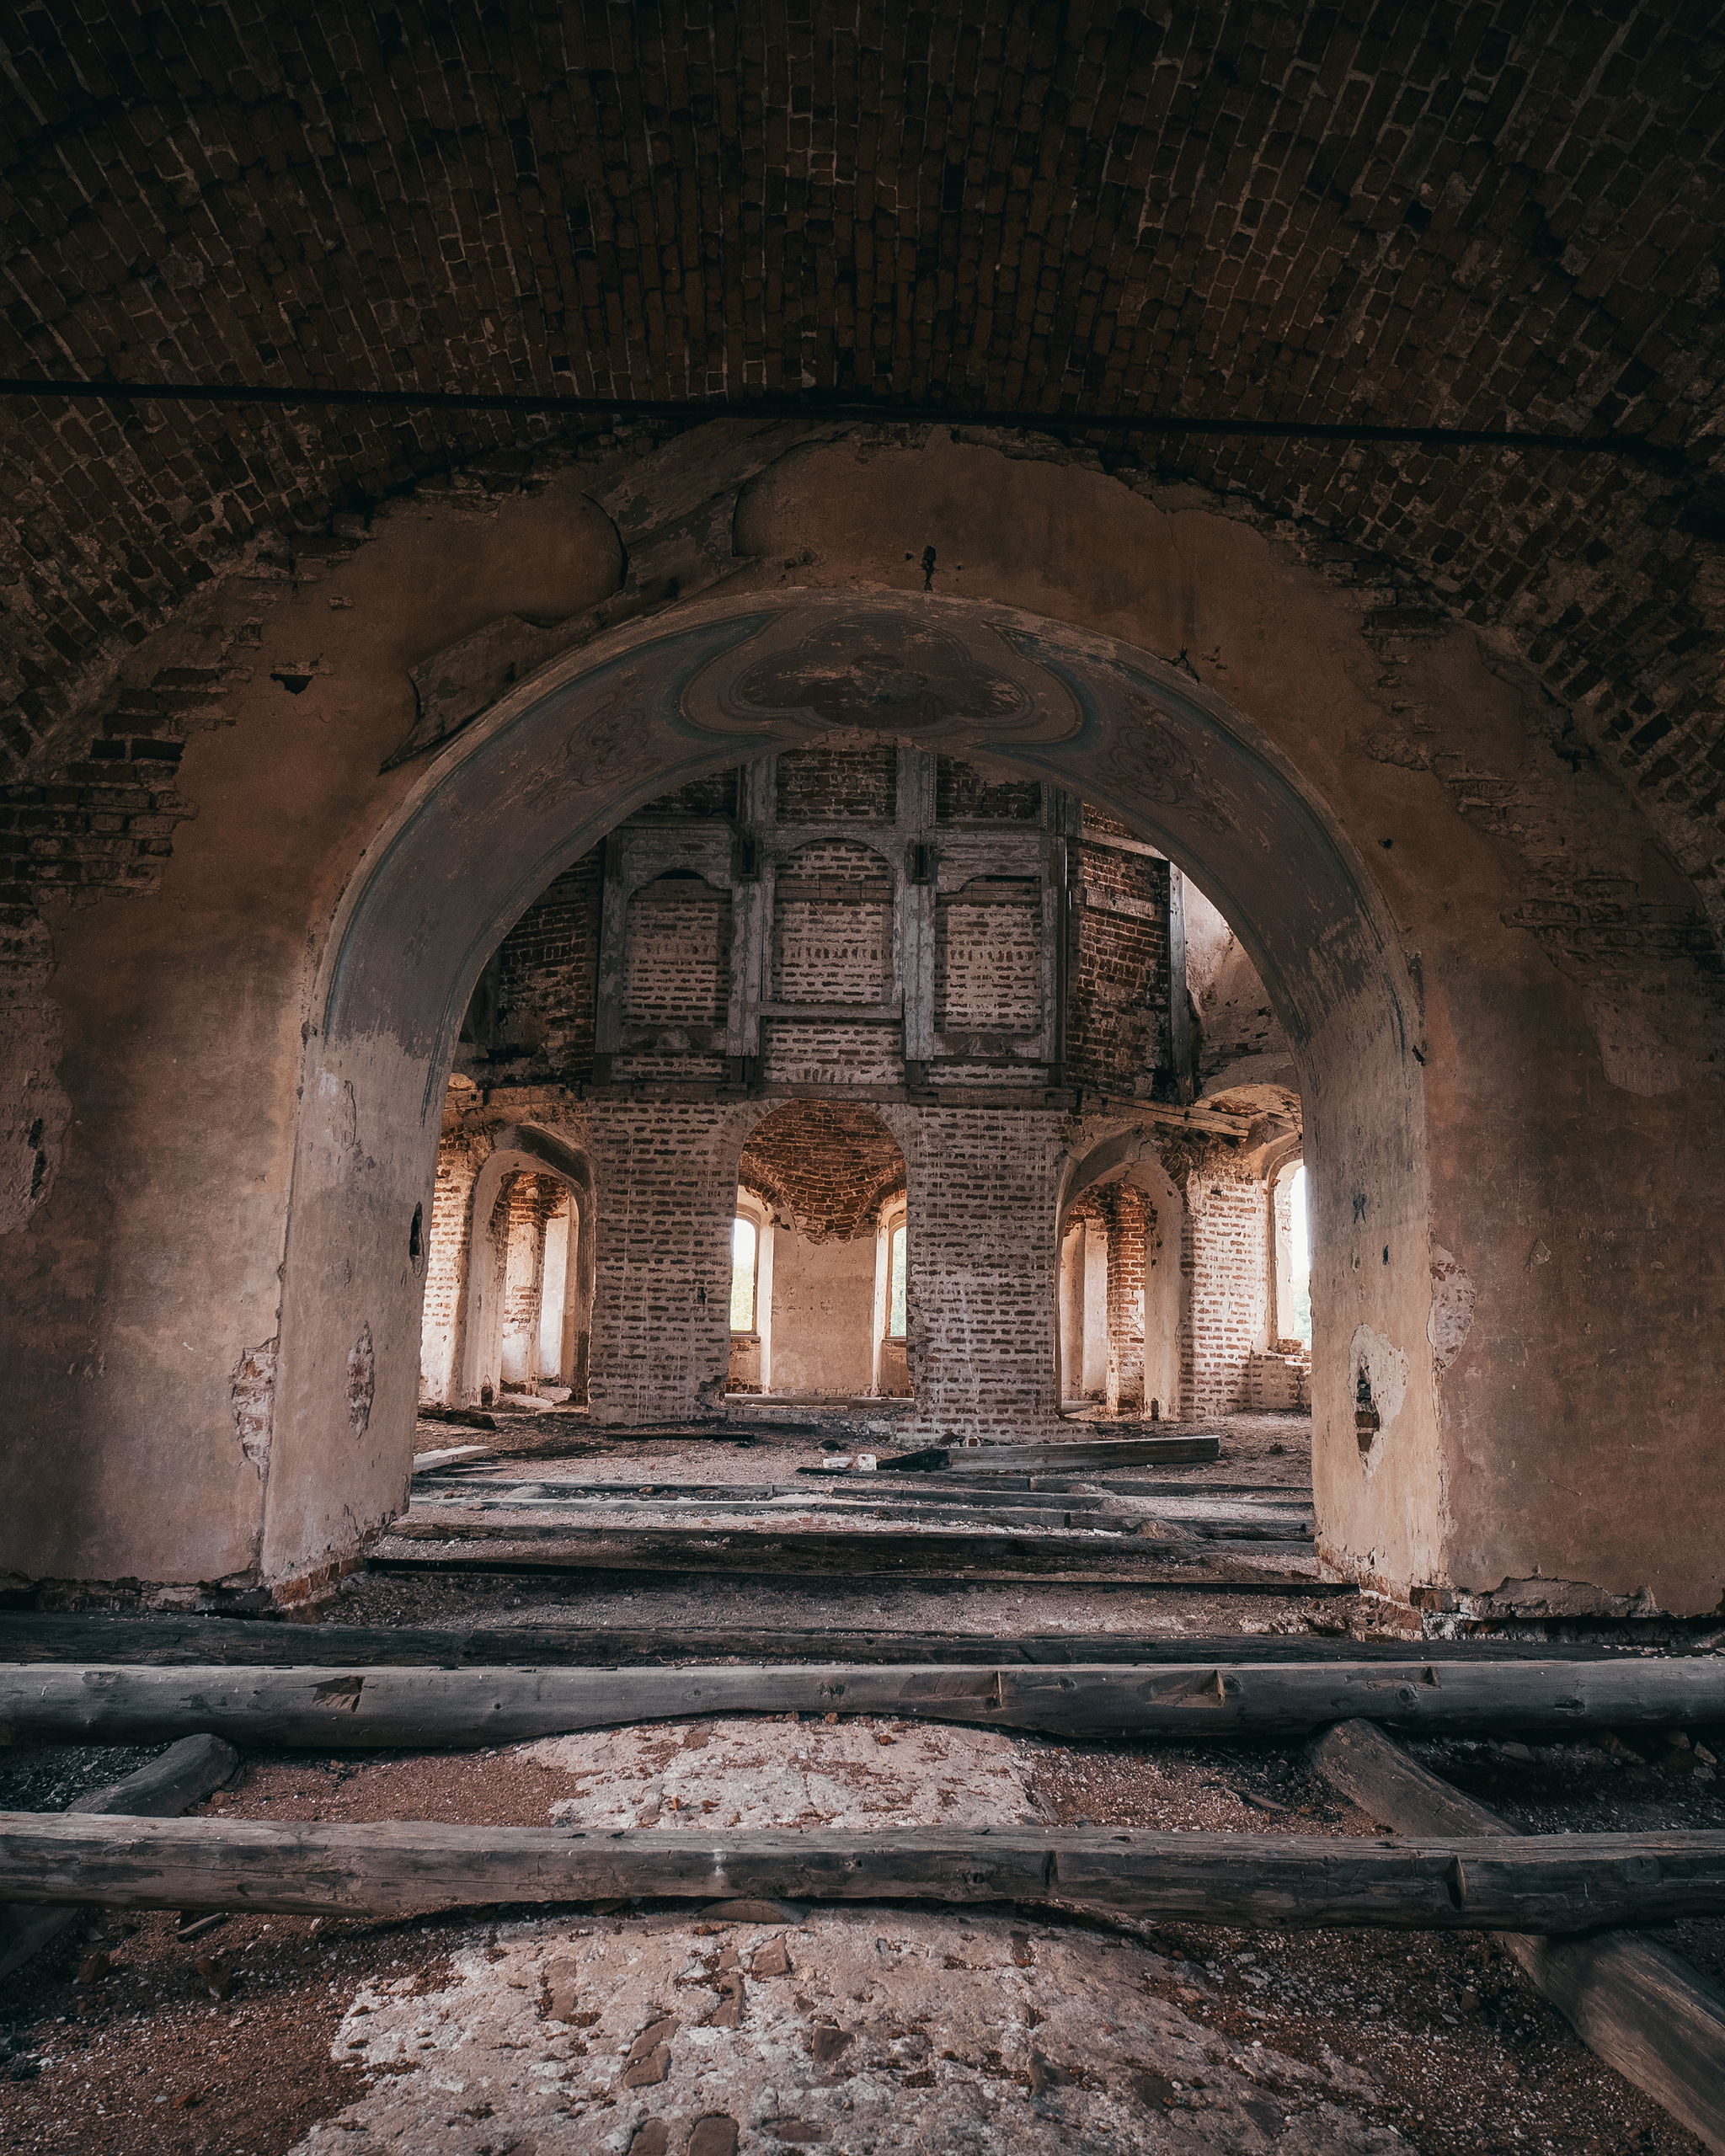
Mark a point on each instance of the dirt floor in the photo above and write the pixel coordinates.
(892, 2028)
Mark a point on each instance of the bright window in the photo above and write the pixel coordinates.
(1299, 1325)
(744, 1246)
(896, 1285)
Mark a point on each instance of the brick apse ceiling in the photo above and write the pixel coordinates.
(1471, 218)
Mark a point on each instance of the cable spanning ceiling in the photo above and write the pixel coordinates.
(1480, 219)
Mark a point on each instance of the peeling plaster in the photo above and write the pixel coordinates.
(1452, 1309)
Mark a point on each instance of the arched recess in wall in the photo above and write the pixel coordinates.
(828, 1184)
(529, 787)
(1132, 1344)
(476, 1351)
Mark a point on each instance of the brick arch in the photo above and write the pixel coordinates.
(830, 1165)
(561, 760)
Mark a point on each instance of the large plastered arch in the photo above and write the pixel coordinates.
(529, 787)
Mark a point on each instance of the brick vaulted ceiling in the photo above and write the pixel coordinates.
(1459, 217)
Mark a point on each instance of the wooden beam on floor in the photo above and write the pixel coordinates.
(1057, 1453)
(845, 1553)
(185, 1775)
(40, 1635)
(1640, 2007)
(1551, 1883)
(572, 1573)
(440, 1709)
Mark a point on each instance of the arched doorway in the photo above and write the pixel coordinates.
(534, 784)
(510, 1291)
(821, 1271)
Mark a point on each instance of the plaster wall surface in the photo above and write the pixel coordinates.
(1523, 933)
(823, 1306)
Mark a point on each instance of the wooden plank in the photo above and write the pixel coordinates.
(1640, 2007)
(937, 1551)
(1203, 1577)
(321, 1708)
(34, 1635)
(1551, 1883)
(1060, 1452)
(185, 1774)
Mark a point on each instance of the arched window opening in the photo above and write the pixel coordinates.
(1293, 1260)
(895, 1274)
(745, 1244)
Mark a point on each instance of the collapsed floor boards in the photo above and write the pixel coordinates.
(1556, 1883)
(32, 1637)
(319, 1708)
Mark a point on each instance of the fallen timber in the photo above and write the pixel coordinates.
(33, 1636)
(1057, 1452)
(933, 1552)
(1632, 2002)
(185, 1775)
(1554, 1883)
(423, 1709)
(468, 1511)
(1198, 1573)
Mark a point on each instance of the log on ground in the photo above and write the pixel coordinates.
(453, 1709)
(1641, 2007)
(185, 1774)
(1555, 1883)
(30, 1636)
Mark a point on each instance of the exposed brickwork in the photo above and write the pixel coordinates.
(826, 1165)
(825, 786)
(667, 1184)
(1117, 1023)
(677, 954)
(1292, 213)
(832, 926)
(988, 956)
(549, 971)
(1129, 1216)
(1225, 1257)
(980, 1333)
(530, 1201)
(962, 791)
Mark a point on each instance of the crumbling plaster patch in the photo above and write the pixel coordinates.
(1385, 1369)
(254, 1398)
(33, 1102)
(1448, 1326)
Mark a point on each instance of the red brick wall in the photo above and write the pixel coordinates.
(828, 785)
(1226, 1259)
(550, 969)
(1118, 996)
(829, 1164)
(961, 791)
(981, 1331)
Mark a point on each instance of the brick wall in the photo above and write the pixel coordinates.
(1226, 1259)
(1117, 993)
(832, 926)
(530, 1201)
(961, 791)
(1129, 1214)
(549, 967)
(829, 1165)
(980, 1331)
(666, 1176)
(677, 953)
(459, 1159)
(827, 786)
(988, 957)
